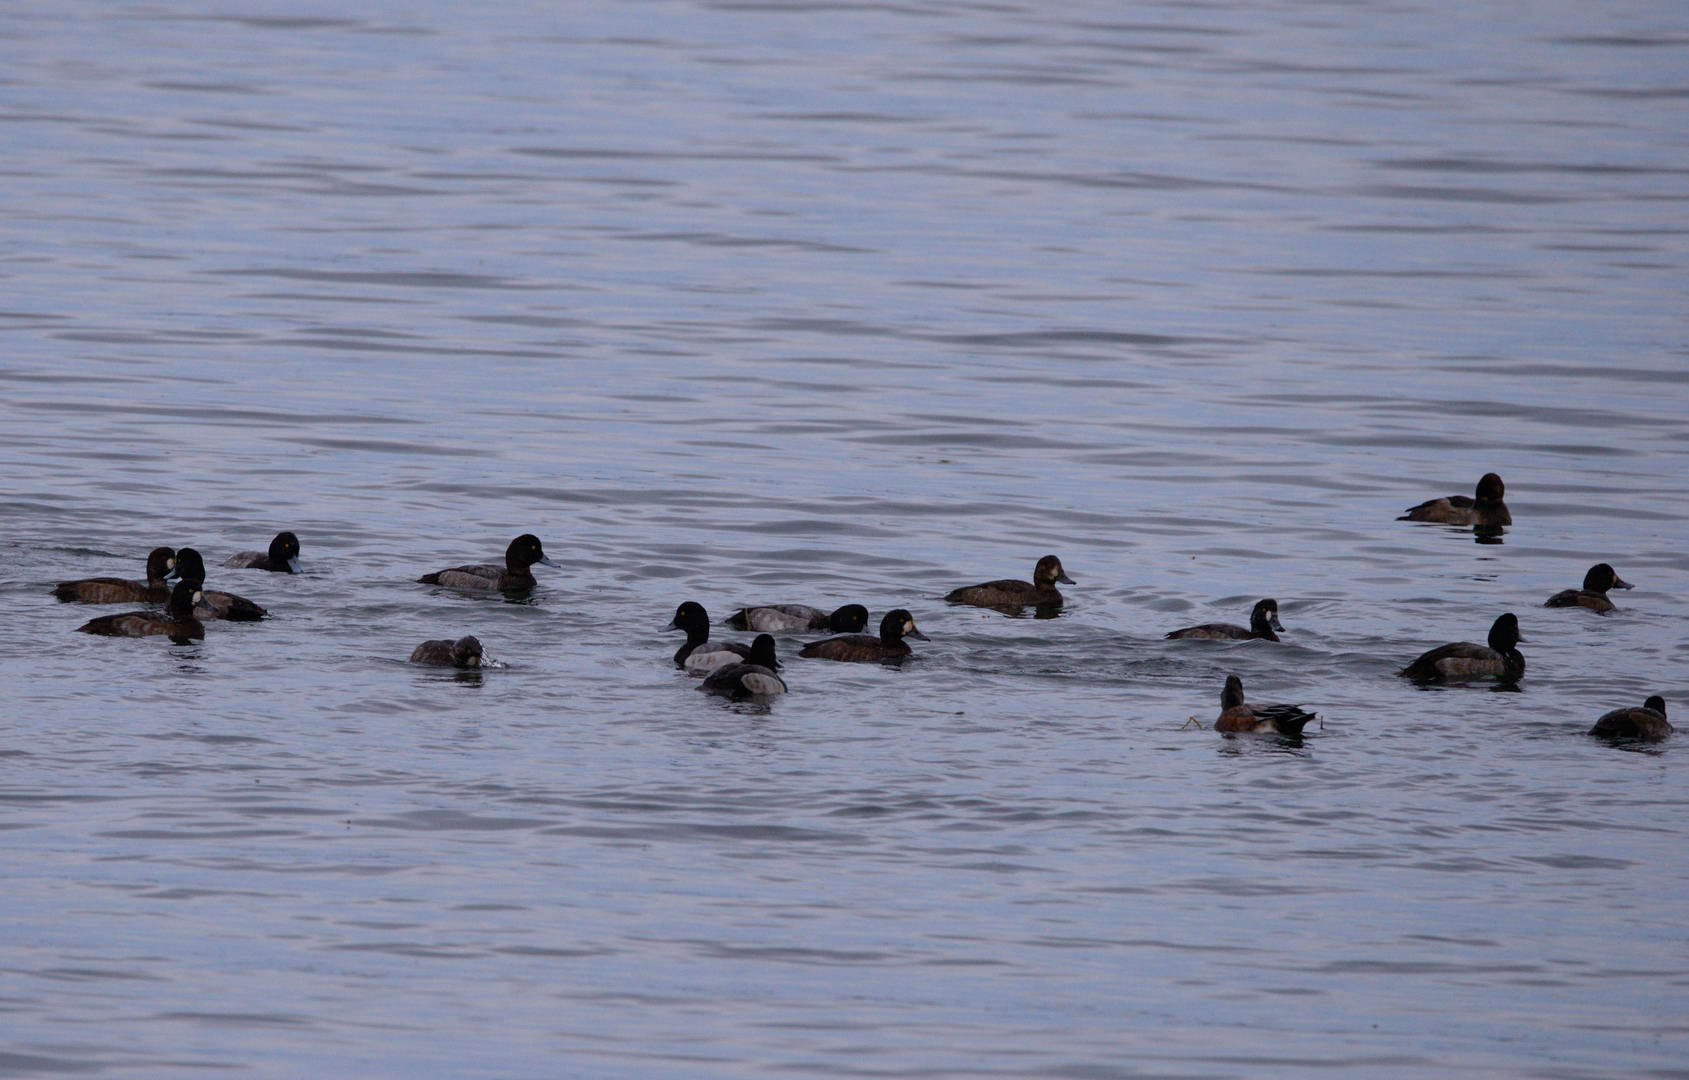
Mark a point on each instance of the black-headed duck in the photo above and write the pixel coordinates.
(783, 618)
(866, 648)
(1039, 592)
(1500, 659)
(1647, 723)
(465, 652)
(753, 678)
(1593, 595)
(1235, 716)
(513, 576)
(1263, 620)
(213, 604)
(700, 654)
(176, 621)
(1485, 509)
(282, 558)
(161, 567)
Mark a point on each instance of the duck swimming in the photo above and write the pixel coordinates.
(700, 654)
(211, 603)
(1008, 592)
(1593, 595)
(1485, 508)
(753, 678)
(1263, 620)
(778, 618)
(1462, 660)
(1235, 716)
(465, 652)
(282, 558)
(161, 567)
(866, 648)
(513, 576)
(1648, 723)
(176, 622)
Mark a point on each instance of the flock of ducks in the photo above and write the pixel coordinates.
(742, 671)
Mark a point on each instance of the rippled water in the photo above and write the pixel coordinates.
(826, 302)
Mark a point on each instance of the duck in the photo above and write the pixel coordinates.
(866, 648)
(161, 567)
(1647, 723)
(1235, 716)
(465, 652)
(1263, 620)
(282, 558)
(1486, 508)
(1039, 592)
(1593, 595)
(513, 576)
(753, 678)
(213, 604)
(849, 619)
(1500, 659)
(176, 621)
(700, 654)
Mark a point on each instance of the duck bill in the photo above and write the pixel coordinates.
(293, 566)
(1275, 624)
(1620, 583)
(916, 634)
(543, 561)
(1065, 580)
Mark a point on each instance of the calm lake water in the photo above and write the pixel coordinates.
(824, 302)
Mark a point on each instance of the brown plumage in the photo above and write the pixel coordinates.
(1235, 716)
(465, 652)
(1039, 592)
(1501, 659)
(176, 621)
(213, 604)
(1593, 595)
(1487, 508)
(282, 558)
(1647, 723)
(513, 576)
(1263, 620)
(161, 563)
(866, 648)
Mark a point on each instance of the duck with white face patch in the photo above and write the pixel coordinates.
(1007, 593)
(176, 622)
(866, 648)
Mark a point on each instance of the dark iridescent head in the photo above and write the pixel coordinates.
(1266, 611)
(190, 567)
(1490, 488)
(1048, 572)
(692, 618)
(1657, 703)
(182, 600)
(161, 565)
(1602, 577)
(1504, 633)
(900, 624)
(762, 652)
(466, 651)
(850, 619)
(1233, 693)
(525, 551)
(284, 551)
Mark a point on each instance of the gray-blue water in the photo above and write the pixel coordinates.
(823, 302)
